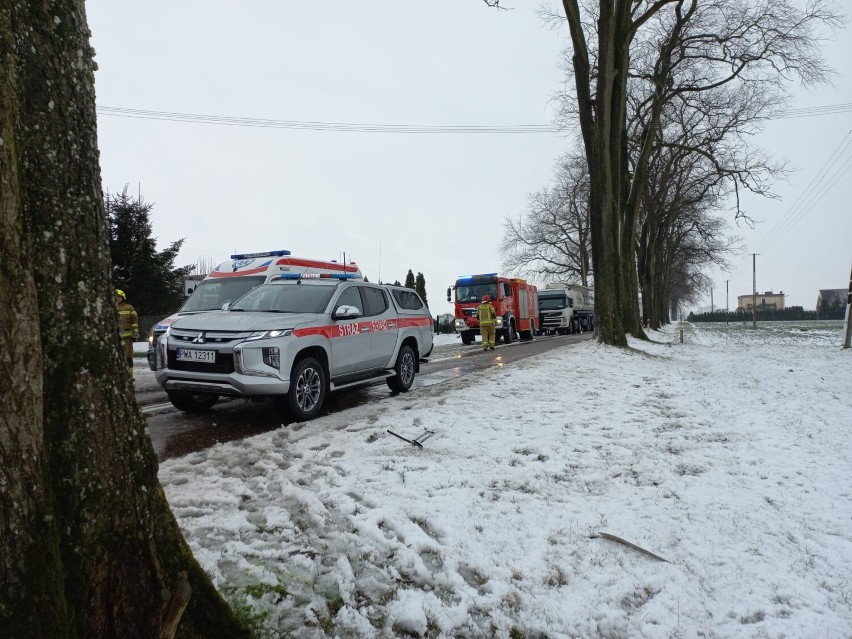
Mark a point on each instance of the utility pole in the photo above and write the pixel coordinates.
(847, 325)
(754, 290)
(727, 308)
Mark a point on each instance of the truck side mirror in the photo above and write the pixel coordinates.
(449, 294)
(346, 312)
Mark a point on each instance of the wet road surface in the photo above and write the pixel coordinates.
(175, 433)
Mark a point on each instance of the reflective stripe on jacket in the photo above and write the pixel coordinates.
(485, 313)
(128, 321)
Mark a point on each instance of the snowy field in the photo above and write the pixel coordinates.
(727, 455)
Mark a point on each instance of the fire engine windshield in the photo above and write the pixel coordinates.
(551, 302)
(474, 292)
(210, 295)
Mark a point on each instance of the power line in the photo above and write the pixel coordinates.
(196, 118)
(360, 127)
(816, 189)
(828, 109)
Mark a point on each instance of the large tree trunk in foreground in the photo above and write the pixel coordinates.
(88, 545)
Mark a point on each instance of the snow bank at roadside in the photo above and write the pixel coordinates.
(728, 455)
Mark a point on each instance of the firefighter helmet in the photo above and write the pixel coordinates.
(486, 298)
(120, 293)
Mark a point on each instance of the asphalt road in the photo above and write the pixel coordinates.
(175, 433)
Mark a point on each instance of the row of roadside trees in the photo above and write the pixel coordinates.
(667, 96)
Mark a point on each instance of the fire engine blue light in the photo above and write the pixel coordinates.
(342, 276)
(289, 276)
(476, 277)
(244, 256)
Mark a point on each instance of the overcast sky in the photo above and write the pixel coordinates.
(431, 202)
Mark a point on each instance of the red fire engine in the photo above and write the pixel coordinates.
(513, 299)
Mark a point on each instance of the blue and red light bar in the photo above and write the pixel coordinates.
(245, 256)
(476, 277)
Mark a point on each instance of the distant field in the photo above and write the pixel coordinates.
(802, 333)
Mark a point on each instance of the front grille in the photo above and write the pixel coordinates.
(469, 311)
(551, 319)
(224, 364)
(188, 336)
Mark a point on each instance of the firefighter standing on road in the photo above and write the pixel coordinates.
(128, 325)
(486, 316)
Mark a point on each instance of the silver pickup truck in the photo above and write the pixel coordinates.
(295, 339)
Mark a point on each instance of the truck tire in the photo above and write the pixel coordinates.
(307, 389)
(405, 367)
(529, 335)
(509, 334)
(467, 338)
(192, 402)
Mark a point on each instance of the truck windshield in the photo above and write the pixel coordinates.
(552, 302)
(474, 292)
(279, 297)
(210, 295)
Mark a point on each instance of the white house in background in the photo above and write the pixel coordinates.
(767, 299)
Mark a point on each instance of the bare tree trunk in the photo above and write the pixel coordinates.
(602, 125)
(88, 544)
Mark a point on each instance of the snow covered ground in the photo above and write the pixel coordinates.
(728, 455)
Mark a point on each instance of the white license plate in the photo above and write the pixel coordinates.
(190, 355)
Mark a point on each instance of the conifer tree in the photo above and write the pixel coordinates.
(409, 280)
(420, 287)
(149, 277)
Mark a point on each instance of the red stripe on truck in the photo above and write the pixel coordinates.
(408, 322)
(250, 271)
(358, 328)
(325, 331)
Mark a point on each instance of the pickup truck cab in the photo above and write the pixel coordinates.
(294, 339)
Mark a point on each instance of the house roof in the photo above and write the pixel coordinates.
(766, 294)
(827, 294)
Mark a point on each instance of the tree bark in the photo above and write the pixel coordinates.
(88, 544)
(601, 123)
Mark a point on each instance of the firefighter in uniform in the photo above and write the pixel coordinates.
(486, 316)
(128, 325)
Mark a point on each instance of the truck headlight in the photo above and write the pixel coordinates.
(460, 323)
(498, 323)
(279, 332)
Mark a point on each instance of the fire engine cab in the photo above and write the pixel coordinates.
(514, 301)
